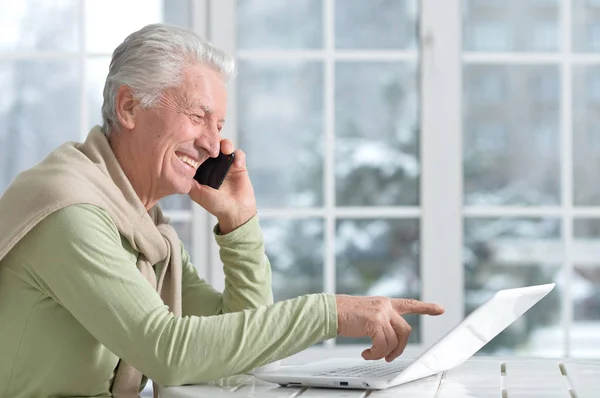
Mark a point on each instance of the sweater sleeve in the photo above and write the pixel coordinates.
(246, 267)
(77, 258)
(199, 298)
(247, 275)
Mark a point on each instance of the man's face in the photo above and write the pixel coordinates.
(180, 131)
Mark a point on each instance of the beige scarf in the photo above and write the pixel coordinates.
(89, 173)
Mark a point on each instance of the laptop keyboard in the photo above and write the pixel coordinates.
(377, 369)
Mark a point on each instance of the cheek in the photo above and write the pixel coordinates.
(162, 131)
(184, 131)
(168, 131)
(178, 126)
(154, 144)
(190, 131)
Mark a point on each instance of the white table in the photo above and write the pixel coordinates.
(480, 377)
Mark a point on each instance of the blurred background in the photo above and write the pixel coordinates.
(424, 149)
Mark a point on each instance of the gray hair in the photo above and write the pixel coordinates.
(151, 60)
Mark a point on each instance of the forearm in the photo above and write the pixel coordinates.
(196, 350)
(246, 267)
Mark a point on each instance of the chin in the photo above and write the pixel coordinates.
(182, 187)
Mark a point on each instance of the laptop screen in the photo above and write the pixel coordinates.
(481, 326)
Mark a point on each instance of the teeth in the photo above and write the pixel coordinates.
(189, 161)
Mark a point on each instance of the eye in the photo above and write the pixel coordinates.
(198, 118)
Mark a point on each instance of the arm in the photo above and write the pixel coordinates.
(247, 275)
(247, 269)
(246, 266)
(198, 297)
(78, 259)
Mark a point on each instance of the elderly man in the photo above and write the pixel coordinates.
(97, 292)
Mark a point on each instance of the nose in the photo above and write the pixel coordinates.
(210, 140)
(215, 148)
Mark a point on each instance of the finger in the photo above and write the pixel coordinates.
(391, 339)
(240, 158)
(402, 330)
(200, 190)
(379, 348)
(226, 146)
(391, 342)
(411, 306)
(202, 194)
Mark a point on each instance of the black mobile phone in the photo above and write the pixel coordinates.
(212, 171)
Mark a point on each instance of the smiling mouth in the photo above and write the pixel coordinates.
(189, 161)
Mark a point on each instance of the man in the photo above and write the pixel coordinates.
(87, 261)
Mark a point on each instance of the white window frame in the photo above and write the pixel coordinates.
(441, 180)
(441, 210)
(566, 211)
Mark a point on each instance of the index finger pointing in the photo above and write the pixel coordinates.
(411, 306)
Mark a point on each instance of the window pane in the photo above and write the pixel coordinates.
(585, 290)
(586, 134)
(376, 24)
(586, 25)
(126, 17)
(280, 125)
(286, 25)
(511, 25)
(39, 110)
(508, 253)
(176, 202)
(184, 231)
(97, 69)
(511, 135)
(377, 257)
(376, 119)
(295, 270)
(28, 25)
(177, 12)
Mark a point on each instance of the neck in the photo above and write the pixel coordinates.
(143, 187)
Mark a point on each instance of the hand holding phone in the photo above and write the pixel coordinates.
(212, 171)
(233, 205)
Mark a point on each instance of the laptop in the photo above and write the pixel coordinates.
(475, 331)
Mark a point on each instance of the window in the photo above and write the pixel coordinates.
(524, 223)
(518, 178)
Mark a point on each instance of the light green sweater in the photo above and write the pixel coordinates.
(72, 302)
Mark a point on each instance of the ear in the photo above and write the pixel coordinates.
(126, 107)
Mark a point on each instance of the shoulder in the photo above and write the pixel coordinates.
(73, 239)
(78, 221)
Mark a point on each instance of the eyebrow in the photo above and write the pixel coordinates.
(206, 109)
